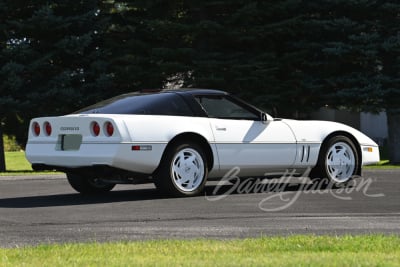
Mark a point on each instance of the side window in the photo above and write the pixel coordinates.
(170, 104)
(221, 107)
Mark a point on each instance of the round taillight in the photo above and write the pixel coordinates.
(36, 128)
(95, 128)
(109, 128)
(47, 128)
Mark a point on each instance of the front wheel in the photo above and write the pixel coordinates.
(338, 161)
(88, 185)
(183, 170)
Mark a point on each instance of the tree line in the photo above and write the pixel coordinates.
(289, 57)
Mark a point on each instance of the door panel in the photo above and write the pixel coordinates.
(253, 146)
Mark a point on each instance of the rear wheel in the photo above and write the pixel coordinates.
(88, 185)
(183, 170)
(338, 161)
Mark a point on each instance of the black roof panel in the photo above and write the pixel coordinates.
(191, 91)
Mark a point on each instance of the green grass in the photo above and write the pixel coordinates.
(267, 251)
(383, 164)
(17, 164)
(16, 161)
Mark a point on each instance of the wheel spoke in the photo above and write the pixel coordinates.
(181, 156)
(178, 171)
(190, 160)
(332, 162)
(184, 180)
(346, 170)
(335, 172)
(348, 161)
(191, 183)
(341, 151)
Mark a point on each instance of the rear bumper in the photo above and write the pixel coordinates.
(120, 156)
(99, 171)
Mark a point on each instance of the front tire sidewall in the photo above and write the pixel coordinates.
(170, 177)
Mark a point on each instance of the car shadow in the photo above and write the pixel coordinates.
(130, 196)
(78, 199)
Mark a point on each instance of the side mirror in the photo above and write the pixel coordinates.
(265, 118)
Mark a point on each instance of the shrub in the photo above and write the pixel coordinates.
(10, 143)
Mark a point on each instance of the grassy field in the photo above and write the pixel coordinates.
(268, 251)
(17, 164)
(16, 161)
(383, 164)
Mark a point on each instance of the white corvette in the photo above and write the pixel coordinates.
(180, 138)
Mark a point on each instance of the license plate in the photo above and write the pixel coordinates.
(71, 142)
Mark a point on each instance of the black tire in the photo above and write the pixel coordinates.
(182, 159)
(338, 162)
(88, 186)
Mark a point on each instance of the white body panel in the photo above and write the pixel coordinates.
(254, 146)
(314, 132)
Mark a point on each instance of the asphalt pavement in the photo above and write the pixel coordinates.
(45, 209)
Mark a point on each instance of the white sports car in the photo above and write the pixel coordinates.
(180, 138)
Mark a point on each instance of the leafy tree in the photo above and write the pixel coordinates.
(53, 60)
(147, 44)
(240, 46)
(356, 57)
